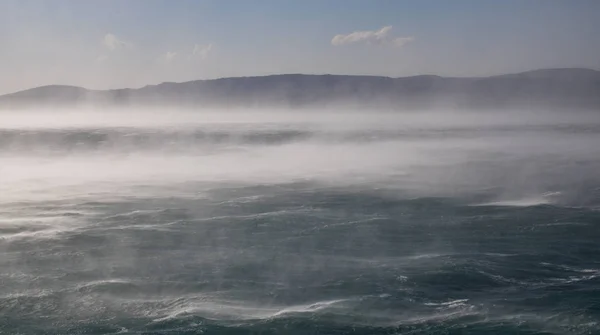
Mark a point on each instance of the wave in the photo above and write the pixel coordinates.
(242, 312)
(204, 136)
(40, 226)
(452, 303)
(581, 274)
(549, 198)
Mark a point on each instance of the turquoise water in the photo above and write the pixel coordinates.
(296, 229)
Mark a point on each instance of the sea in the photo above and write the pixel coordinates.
(299, 222)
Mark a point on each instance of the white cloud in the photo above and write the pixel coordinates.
(199, 51)
(101, 58)
(202, 51)
(379, 37)
(112, 42)
(401, 41)
(170, 56)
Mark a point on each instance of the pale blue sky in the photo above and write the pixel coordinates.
(131, 43)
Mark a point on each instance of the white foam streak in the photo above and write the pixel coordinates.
(239, 311)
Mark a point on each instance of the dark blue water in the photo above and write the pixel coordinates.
(289, 230)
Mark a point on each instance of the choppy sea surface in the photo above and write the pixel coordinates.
(259, 225)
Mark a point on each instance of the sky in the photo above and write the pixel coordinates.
(100, 44)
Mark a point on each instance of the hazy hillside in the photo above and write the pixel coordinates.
(551, 88)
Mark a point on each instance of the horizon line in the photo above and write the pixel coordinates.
(303, 74)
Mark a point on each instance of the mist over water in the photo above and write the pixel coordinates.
(270, 221)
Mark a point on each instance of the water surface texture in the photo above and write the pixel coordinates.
(306, 223)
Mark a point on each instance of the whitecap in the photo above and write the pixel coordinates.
(547, 198)
(523, 202)
(452, 303)
(239, 311)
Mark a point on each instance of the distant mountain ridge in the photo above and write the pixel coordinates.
(547, 88)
